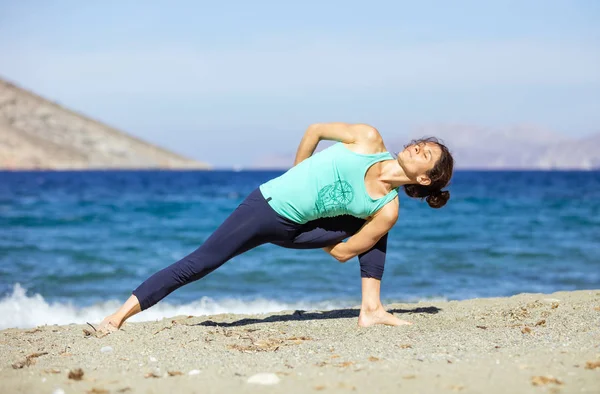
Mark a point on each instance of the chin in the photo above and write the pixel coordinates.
(402, 156)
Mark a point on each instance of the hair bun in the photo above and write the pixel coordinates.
(438, 198)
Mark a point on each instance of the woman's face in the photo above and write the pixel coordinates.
(418, 159)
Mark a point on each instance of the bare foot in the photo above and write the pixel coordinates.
(109, 324)
(379, 316)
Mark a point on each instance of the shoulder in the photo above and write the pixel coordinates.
(367, 133)
(367, 139)
(348, 133)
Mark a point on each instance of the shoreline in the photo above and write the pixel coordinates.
(520, 344)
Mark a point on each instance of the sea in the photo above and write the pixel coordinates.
(73, 245)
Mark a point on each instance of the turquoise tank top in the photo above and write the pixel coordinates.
(329, 183)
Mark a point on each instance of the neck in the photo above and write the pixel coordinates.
(394, 175)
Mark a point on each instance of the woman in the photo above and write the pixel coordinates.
(346, 190)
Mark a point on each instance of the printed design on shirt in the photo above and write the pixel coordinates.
(334, 197)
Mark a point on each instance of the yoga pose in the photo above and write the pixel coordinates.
(348, 190)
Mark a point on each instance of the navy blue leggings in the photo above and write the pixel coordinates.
(251, 224)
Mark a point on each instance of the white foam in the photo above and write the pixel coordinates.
(19, 310)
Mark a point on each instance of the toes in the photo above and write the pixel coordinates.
(101, 334)
(105, 328)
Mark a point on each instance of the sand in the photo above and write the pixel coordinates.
(529, 343)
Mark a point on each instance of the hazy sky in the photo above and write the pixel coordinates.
(230, 81)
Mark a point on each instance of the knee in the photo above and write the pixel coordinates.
(372, 266)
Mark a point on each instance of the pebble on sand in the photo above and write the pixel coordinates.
(264, 378)
(76, 374)
(194, 372)
(58, 391)
(106, 349)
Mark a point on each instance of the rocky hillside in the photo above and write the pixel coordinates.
(38, 134)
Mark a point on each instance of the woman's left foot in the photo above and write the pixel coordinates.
(379, 316)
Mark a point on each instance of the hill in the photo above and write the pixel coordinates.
(36, 133)
(522, 147)
(474, 147)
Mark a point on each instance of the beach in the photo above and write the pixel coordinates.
(528, 343)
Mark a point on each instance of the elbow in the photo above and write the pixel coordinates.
(313, 130)
(342, 253)
(342, 258)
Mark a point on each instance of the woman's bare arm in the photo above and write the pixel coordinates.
(371, 232)
(335, 131)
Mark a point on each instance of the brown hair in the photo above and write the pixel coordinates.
(440, 176)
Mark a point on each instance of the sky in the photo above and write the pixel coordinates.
(230, 82)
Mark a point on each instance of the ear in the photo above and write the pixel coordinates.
(423, 180)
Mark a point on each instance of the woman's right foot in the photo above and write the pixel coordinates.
(109, 325)
(113, 322)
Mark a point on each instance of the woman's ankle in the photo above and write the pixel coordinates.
(129, 308)
(371, 306)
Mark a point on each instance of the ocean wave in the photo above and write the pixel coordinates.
(20, 310)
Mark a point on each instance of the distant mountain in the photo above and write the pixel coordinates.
(474, 147)
(38, 134)
(516, 147)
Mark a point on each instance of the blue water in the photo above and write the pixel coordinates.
(74, 244)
